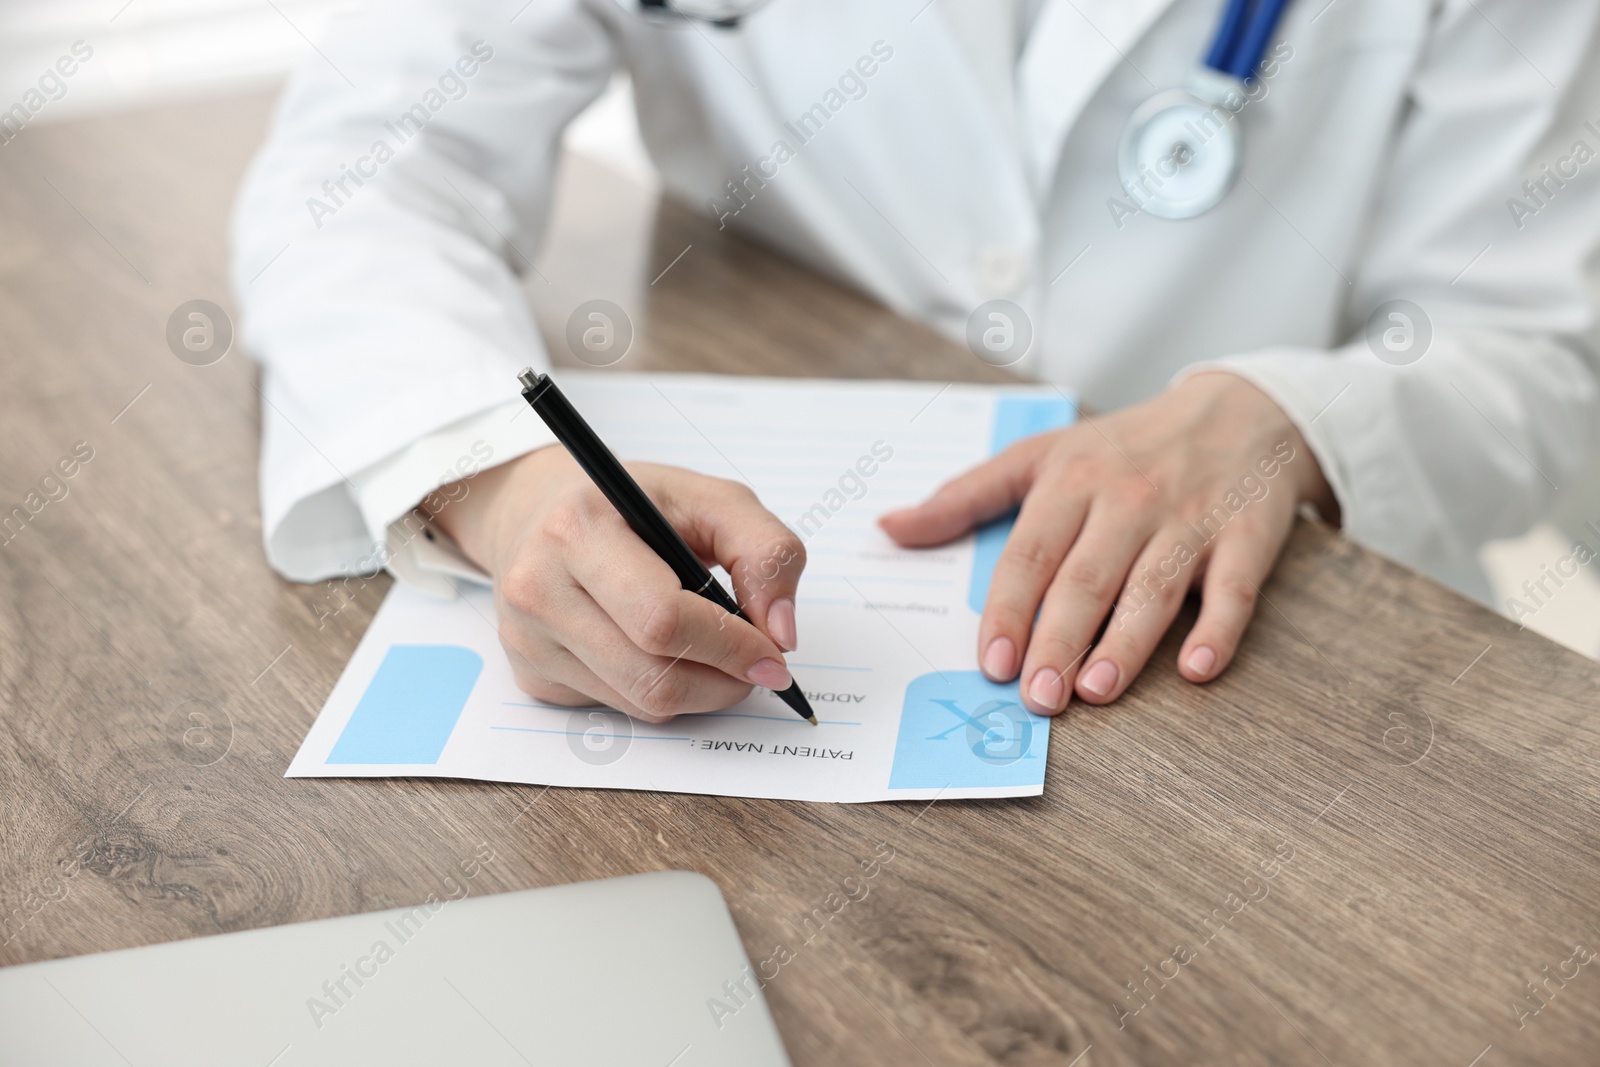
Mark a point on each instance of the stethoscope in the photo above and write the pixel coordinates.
(1180, 153)
(1181, 150)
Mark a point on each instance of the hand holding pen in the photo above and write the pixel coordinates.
(589, 613)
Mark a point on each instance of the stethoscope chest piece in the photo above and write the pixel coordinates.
(1181, 149)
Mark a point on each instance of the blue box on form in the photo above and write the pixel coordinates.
(410, 706)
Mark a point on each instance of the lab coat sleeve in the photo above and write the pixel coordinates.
(377, 243)
(1469, 442)
(436, 469)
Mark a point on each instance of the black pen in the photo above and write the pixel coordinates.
(640, 512)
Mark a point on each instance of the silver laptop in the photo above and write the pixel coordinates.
(646, 971)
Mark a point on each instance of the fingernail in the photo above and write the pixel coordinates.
(769, 674)
(1047, 690)
(1201, 661)
(780, 622)
(1000, 661)
(1101, 678)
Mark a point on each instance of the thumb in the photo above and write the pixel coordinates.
(985, 492)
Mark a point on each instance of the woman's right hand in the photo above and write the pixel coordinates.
(589, 614)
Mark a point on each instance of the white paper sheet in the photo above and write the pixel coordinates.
(888, 637)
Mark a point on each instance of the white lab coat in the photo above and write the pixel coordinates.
(978, 160)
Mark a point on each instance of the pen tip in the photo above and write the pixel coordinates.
(813, 719)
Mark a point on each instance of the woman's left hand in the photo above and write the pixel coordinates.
(1195, 487)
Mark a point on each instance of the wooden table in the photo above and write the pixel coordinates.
(1366, 838)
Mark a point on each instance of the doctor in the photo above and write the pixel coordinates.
(1361, 279)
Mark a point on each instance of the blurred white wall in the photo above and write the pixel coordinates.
(149, 51)
(156, 51)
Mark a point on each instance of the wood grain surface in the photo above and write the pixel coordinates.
(1357, 847)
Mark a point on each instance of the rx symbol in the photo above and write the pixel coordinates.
(999, 732)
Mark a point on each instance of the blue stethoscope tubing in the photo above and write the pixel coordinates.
(1242, 36)
(1180, 153)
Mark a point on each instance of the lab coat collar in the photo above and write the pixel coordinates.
(1073, 47)
(940, 40)
(979, 162)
